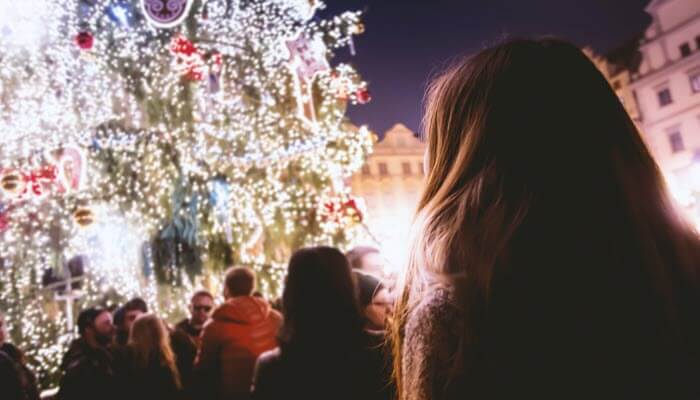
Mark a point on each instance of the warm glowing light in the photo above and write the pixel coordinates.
(116, 134)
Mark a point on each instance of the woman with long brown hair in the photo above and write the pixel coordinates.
(547, 260)
(325, 351)
(146, 368)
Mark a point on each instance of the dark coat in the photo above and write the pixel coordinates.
(17, 381)
(185, 348)
(88, 373)
(155, 381)
(332, 373)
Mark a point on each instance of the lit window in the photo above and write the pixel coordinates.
(685, 49)
(676, 141)
(406, 168)
(664, 96)
(383, 169)
(695, 81)
(365, 170)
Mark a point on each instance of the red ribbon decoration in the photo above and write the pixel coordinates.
(36, 179)
(189, 58)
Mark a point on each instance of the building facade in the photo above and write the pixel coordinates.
(667, 89)
(391, 182)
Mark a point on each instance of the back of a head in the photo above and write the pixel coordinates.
(136, 304)
(148, 337)
(529, 149)
(356, 255)
(319, 300)
(367, 288)
(87, 318)
(240, 281)
(539, 193)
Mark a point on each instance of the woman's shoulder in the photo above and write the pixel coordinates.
(435, 308)
(431, 341)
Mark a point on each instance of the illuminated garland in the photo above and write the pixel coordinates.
(219, 129)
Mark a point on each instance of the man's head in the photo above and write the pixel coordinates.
(133, 309)
(373, 299)
(201, 304)
(240, 281)
(3, 329)
(366, 259)
(95, 326)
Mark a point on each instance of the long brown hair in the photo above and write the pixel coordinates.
(319, 283)
(150, 343)
(531, 156)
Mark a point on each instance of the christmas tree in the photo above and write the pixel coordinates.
(149, 144)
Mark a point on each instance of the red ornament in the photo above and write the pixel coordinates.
(340, 209)
(190, 61)
(84, 40)
(182, 45)
(363, 96)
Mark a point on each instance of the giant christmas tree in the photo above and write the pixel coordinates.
(147, 144)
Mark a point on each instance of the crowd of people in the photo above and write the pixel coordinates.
(547, 261)
(330, 325)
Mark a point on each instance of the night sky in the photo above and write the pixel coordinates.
(408, 40)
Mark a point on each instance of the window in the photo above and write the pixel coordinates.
(365, 170)
(695, 81)
(685, 49)
(664, 96)
(383, 169)
(676, 141)
(406, 168)
(421, 168)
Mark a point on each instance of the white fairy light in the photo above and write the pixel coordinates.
(156, 119)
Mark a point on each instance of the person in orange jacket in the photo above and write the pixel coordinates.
(239, 331)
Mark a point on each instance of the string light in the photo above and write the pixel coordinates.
(209, 131)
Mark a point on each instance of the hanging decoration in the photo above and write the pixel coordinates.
(363, 96)
(307, 58)
(189, 61)
(39, 181)
(84, 40)
(12, 183)
(166, 13)
(84, 217)
(343, 210)
(70, 164)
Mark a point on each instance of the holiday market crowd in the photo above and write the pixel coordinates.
(333, 306)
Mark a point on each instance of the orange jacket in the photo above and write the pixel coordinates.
(240, 330)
